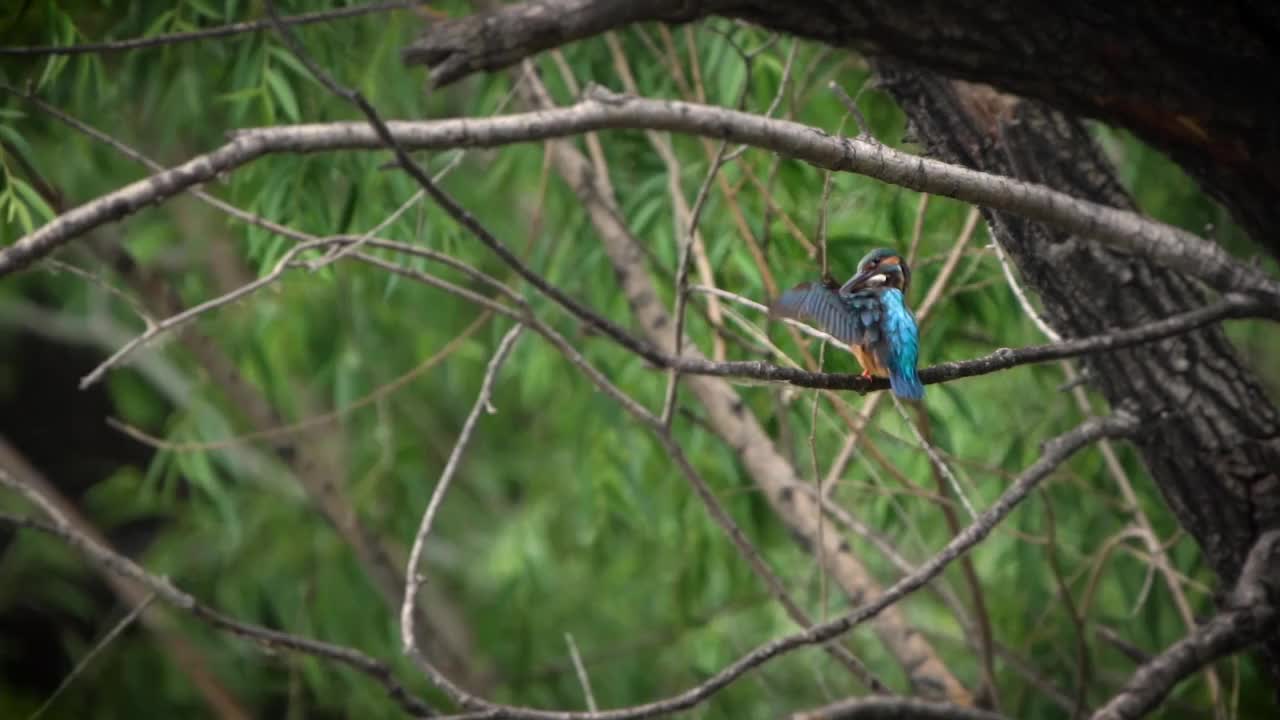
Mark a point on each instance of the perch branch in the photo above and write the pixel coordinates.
(1230, 306)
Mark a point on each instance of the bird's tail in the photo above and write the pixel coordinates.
(905, 383)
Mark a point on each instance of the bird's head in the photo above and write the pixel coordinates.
(880, 268)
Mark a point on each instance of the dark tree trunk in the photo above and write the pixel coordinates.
(1212, 438)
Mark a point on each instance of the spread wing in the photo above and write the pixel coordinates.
(853, 318)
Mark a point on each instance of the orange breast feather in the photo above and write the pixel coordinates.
(868, 360)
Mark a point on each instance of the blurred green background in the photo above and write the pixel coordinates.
(567, 518)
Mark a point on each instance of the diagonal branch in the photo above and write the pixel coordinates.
(1252, 611)
(602, 110)
(413, 580)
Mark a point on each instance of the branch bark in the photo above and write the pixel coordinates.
(1119, 228)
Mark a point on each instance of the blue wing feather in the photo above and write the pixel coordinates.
(853, 318)
(821, 307)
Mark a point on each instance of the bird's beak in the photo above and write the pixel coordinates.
(870, 277)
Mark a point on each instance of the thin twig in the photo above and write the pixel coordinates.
(917, 229)
(1027, 308)
(413, 580)
(156, 329)
(581, 671)
(283, 431)
(59, 266)
(682, 278)
(1084, 664)
(864, 130)
(935, 459)
(98, 647)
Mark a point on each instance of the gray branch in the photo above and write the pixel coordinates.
(601, 110)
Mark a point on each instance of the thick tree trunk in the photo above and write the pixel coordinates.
(1213, 439)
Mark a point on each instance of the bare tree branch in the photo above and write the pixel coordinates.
(206, 34)
(413, 580)
(59, 527)
(601, 110)
(1251, 612)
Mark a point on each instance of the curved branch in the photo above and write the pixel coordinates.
(1252, 612)
(602, 110)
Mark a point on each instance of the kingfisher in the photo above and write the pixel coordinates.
(870, 313)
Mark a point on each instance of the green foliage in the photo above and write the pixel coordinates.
(566, 516)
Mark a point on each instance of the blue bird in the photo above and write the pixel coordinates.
(870, 313)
